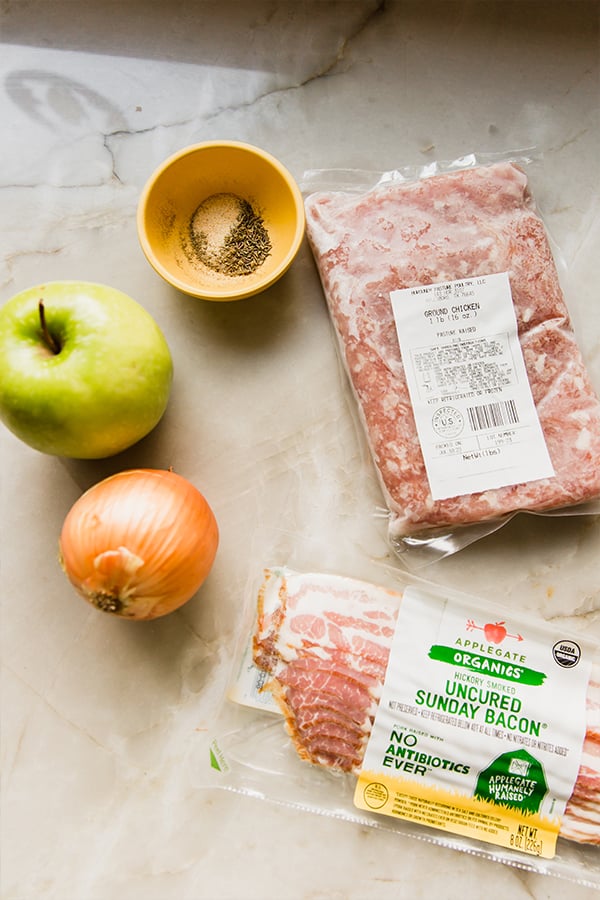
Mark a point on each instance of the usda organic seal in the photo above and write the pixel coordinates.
(566, 653)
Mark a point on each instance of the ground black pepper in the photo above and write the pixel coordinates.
(228, 236)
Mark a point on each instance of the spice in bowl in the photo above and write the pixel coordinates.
(227, 236)
(221, 220)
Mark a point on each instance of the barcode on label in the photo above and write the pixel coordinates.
(493, 415)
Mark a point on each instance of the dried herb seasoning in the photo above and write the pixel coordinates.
(228, 236)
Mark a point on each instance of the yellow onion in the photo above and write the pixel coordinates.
(139, 544)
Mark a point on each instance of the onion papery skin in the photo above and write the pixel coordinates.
(139, 544)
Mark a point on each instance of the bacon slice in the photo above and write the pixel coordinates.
(326, 645)
(325, 642)
(445, 227)
(581, 821)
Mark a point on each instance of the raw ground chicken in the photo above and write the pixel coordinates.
(325, 642)
(477, 221)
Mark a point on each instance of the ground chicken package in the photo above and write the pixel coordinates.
(457, 341)
(417, 709)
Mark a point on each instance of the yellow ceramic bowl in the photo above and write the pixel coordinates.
(221, 220)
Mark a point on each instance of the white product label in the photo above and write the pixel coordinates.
(248, 686)
(476, 419)
(480, 726)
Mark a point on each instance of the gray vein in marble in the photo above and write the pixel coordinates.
(345, 42)
(42, 95)
(116, 749)
(40, 695)
(569, 140)
(326, 70)
(12, 259)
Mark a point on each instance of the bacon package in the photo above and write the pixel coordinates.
(325, 643)
(382, 245)
(407, 706)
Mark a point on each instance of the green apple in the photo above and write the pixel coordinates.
(85, 371)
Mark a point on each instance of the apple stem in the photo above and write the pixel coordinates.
(49, 339)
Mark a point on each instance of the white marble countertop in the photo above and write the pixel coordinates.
(99, 717)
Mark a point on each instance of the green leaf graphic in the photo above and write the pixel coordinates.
(214, 762)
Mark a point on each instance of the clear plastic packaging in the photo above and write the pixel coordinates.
(509, 399)
(249, 749)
